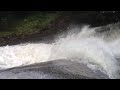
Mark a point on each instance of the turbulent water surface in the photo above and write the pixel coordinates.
(97, 48)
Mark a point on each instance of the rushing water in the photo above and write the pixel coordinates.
(97, 47)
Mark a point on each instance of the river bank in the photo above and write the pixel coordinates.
(47, 27)
(44, 34)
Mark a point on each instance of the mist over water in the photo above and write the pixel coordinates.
(97, 47)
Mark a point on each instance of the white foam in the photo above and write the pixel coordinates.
(82, 47)
(85, 48)
(24, 54)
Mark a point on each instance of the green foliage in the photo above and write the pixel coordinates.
(32, 24)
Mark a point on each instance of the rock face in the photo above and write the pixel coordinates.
(58, 69)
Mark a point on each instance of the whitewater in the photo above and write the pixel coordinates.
(96, 47)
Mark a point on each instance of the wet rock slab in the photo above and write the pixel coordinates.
(58, 69)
